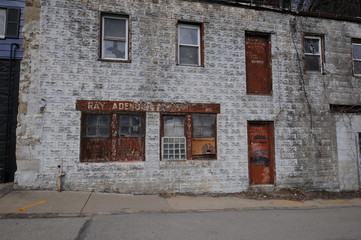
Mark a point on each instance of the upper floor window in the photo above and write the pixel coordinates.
(115, 37)
(9, 23)
(189, 44)
(356, 57)
(313, 54)
(258, 63)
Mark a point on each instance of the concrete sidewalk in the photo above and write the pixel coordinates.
(52, 203)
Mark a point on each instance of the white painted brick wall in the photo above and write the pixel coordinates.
(61, 66)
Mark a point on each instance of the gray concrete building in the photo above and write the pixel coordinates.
(136, 96)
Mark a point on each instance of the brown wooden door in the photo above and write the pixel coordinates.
(258, 64)
(260, 152)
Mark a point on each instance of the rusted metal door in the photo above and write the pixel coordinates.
(260, 152)
(258, 64)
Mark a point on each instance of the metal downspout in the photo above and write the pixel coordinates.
(8, 121)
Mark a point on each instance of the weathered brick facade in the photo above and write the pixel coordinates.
(61, 65)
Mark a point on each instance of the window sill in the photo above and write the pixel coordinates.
(259, 94)
(189, 65)
(108, 162)
(190, 160)
(114, 60)
(315, 72)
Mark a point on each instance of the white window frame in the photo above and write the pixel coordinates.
(190, 26)
(355, 59)
(3, 34)
(126, 39)
(320, 54)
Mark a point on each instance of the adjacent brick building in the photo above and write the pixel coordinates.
(187, 96)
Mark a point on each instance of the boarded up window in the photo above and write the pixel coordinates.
(126, 143)
(190, 136)
(258, 64)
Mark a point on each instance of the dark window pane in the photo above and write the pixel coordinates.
(12, 29)
(124, 131)
(124, 120)
(103, 121)
(114, 49)
(188, 36)
(14, 15)
(130, 126)
(188, 55)
(91, 131)
(204, 125)
(136, 121)
(357, 51)
(312, 46)
(357, 67)
(92, 120)
(114, 28)
(103, 132)
(313, 63)
(97, 126)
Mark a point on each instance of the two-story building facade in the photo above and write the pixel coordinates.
(158, 96)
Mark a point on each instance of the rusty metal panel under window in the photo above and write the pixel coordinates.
(258, 63)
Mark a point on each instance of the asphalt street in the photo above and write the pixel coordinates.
(326, 223)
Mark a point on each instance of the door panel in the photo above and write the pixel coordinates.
(258, 65)
(260, 152)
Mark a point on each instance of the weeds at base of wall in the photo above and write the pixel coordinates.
(282, 194)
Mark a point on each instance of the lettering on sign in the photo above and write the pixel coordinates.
(113, 106)
(258, 61)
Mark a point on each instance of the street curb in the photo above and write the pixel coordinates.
(84, 215)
